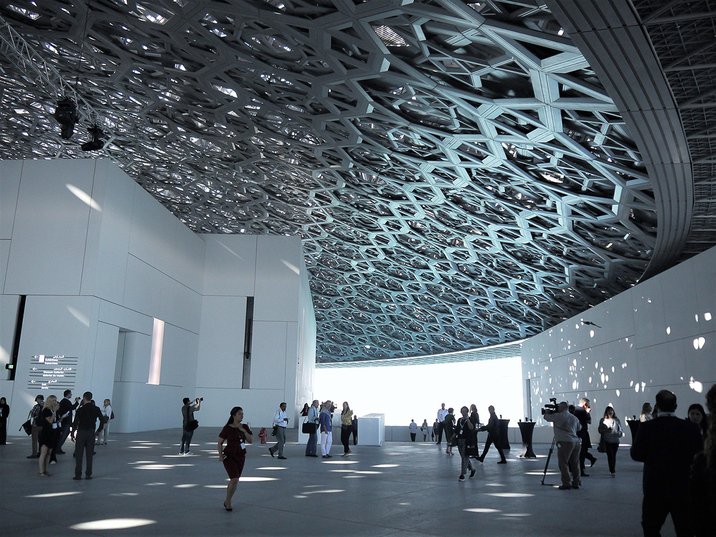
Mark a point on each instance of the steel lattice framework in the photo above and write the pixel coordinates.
(457, 172)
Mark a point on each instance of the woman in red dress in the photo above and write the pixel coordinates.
(236, 435)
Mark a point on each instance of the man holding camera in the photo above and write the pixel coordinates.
(65, 413)
(188, 423)
(566, 434)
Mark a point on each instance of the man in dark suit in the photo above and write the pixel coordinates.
(666, 445)
(583, 414)
(65, 413)
(493, 436)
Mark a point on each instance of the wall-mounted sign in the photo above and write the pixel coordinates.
(52, 372)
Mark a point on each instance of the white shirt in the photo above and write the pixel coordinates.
(413, 427)
(441, 415)
(107, 411)
(279, 418)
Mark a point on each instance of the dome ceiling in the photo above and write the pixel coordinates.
(457, 172)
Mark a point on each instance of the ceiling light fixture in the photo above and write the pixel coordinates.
(66, 115)
(96, 142)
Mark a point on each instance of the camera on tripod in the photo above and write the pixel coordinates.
(550, 407)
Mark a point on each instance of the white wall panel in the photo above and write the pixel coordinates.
(108, 234)
(278, 263)
(105, 356)
(268, 362)
(671, 345)
(187, 252)
(150, 229)
(179, 357)
(135, 361)
(230, 265)
(145, 288)
(125, 318)
(10, 171)
(48, 243)
(181, 305)
(221, 345)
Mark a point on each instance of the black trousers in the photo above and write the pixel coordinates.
(584, 454)
(84, 445)
(655, 509)
(345, 438)
(490, 441)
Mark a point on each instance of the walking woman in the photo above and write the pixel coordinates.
(346, 427)
(611, 430)
(48, 438)
(236, 435)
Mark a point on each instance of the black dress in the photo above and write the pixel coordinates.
(47, 434)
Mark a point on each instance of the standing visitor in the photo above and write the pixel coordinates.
(107, 415)
(346, 427)
(188, 423)
(47, 438)
(667, 446)
(233, 456)
(424, 430)
(566, 434)
(312, 418)
(87, 417)
(448, 429)
(440, 421)
(413, 427)
(326, 429)
(4, 413)
(35, 417)
(65, 411)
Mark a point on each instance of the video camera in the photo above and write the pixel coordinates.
(551, 407)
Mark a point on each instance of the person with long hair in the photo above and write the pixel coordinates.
(47, 438)
(611, 430)
(346, 427)
(236, 435)
(646, 412)
(106, 416)
(702, 485)
(697, 415)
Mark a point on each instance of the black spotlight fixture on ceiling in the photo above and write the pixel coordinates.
(66, 115)
(96, 142)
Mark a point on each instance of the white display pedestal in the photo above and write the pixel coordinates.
(371, 430)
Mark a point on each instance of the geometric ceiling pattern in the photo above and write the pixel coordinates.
(457, 172)
(683, 34)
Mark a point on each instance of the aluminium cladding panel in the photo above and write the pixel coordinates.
(10, 172)
(278, 266)
(108, 234)
(50, 228)
(230, 265)
(160, 240)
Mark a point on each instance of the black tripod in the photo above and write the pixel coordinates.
(549, 456)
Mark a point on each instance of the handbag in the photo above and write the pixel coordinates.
(601, 448)
(274, 430)
(27, 426)
(193, 424)
(308, 427)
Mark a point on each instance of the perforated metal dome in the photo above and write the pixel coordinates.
(457, 171)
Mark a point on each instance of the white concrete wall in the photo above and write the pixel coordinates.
(659, 334)
(99, 259)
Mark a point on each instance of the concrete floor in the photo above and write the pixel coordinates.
(142, 486)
